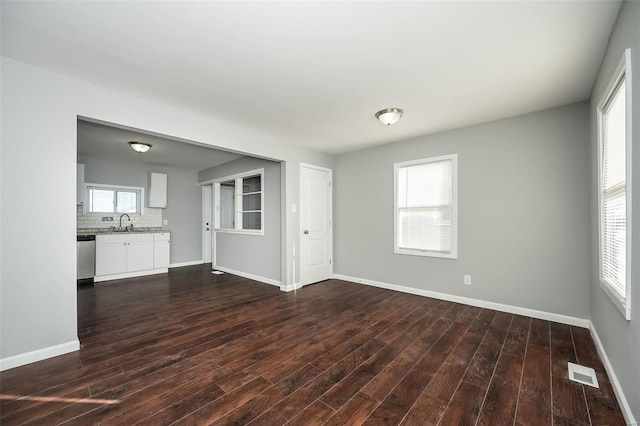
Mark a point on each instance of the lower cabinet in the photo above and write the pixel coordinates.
(139, 255)
(161, 250)
(128, 255)
(111, 257)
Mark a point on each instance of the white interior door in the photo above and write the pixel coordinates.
(207, 223)
(316, 245)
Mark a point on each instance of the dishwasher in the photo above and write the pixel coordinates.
(86, 256)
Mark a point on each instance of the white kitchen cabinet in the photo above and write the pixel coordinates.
(139, 256)
(161, 250)
(80, 184)
(125, 255)
(111, 257)
(158, 190)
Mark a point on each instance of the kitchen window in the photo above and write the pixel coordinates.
(614, 187)
(239, 203)
(113, 199)
(426, 207)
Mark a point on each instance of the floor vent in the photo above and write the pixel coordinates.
(217, 272)
(582, 374)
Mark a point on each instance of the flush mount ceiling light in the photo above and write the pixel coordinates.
(140, 146)
(389, 116)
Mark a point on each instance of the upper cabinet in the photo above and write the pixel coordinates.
(80, 185)
(158, 190)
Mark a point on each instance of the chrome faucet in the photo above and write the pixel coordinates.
(123, 214)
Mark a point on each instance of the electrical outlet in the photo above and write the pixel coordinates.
(467, 279)
(165, 222)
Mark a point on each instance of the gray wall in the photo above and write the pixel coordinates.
(621, 338)
(39, 115)
(184, 199)
(258, 255)
(523, 212)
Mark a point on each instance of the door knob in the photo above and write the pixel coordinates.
(306, 231)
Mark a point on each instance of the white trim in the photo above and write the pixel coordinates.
(617, 389)
(139, 189)
(38, 355)
(623, 70)
(249, 276)
(313, 166)
(291, 287)
(619, 302)
(207, 197)
(534, 313)
(237, 178)
(101, 278)
(190, 263)
(239, 231)
(214, 247)
(453, 254)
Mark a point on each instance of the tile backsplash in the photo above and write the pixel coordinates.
(151, 218)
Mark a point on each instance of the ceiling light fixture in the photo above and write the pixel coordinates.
(389, 116)
(139, 146)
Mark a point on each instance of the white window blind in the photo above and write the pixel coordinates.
(613, 186)
(425, 207)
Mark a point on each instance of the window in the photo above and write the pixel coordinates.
(239, 201)
(614, 181)
(426, 207)
(113, 199)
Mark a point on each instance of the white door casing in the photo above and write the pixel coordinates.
(227, 210)
(207, 222)
(316, 240)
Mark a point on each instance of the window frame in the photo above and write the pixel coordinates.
(453, 254)
(238, 178)
(622, 72)
(115, 188)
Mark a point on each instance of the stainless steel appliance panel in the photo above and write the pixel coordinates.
(86, 256)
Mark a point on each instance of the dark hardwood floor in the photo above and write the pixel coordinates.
(191, 347)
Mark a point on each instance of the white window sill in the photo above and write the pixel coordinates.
(426, 253)
(618, 302)
(240, 231)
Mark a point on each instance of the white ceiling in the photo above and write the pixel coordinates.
(314, 73)
(98, 140)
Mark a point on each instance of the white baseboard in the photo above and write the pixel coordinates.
(98, 279)
(249, 276)
(290, 287)
(617, 389)
(548, 316)
(38, 355)
(181, 264)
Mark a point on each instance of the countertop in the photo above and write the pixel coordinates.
(103, 231)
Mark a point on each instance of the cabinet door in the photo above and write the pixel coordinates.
(111, 258)
(161, 254)
(157, 190)
(139, 256)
